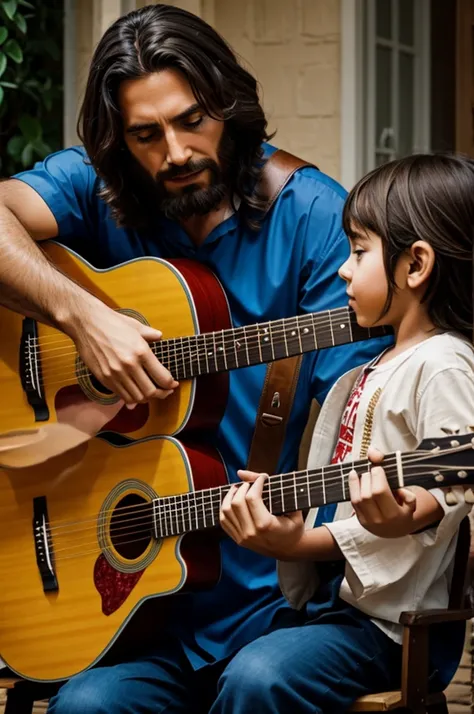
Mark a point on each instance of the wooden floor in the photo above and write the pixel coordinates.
(459, 692)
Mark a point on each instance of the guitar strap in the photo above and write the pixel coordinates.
(281, 377)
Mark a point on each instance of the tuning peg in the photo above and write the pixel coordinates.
(470, 428)
(469, 495)
(449, 431)
(451, 498)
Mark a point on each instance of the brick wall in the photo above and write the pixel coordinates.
(291, 46)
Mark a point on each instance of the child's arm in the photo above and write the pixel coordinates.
(246, 519)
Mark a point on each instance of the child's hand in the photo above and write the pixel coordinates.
(383, 512)
(246, 519)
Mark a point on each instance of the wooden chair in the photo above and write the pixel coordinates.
(21, 695)
(413, 695)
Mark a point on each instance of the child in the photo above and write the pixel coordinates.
(356, 567)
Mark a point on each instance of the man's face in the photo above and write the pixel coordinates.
(174, 142)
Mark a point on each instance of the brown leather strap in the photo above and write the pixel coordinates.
(276, 173)
(273, 413)
(281, 378)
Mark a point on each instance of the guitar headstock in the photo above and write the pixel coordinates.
(448, 461)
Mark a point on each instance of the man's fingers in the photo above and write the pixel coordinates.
(149, 333)
(158, 374)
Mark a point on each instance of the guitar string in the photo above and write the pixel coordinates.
(174, 346)
(337, 312)
(164, 509)
(207, 362)
(331, 470)
(147, 534)
(187, 508)
(332, 473)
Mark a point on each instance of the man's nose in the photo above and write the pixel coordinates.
(178, 152)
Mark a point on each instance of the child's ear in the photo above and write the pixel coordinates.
(421, 263)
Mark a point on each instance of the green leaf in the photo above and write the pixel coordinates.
(10, 7)
(30, 127)
(15, 146)
(3, 34)
(23, 3)
(13, 50)
(1, 95)
(20, 22)
(3, 63)
(27, 156)
(8, 85)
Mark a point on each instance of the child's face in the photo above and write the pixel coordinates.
(364, 273)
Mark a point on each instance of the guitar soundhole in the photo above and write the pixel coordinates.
(131, 526)
(98, 386)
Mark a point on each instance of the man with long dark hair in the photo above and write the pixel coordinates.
(174, 143)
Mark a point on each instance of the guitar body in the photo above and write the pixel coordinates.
(51, 635)
(180, 298)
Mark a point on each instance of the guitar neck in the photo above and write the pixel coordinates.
(299, 490)
(211, 352)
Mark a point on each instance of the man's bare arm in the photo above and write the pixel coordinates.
(114, 347)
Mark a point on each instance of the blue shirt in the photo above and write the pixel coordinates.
(288, 267)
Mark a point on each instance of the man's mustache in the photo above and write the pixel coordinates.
(192, 167)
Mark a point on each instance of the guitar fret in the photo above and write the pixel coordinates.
(197, 355)
(206, 352)
(215, 351)
(270, 334)
(236, 343)
(183, 512)
(323, 484)
(294, 491)
(284, 337)
(299, 333)
(181, 347)
(332, 331)
(349, 322)
(246, 345)
(213, 515)
(259, 345)
(224, 352)
(314, 332)
(282, 494)
(166, 514)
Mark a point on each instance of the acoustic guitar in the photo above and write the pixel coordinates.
(41, 372)
(92, 536)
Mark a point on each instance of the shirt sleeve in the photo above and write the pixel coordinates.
(68, 184)
(447, 401)
(326, 248)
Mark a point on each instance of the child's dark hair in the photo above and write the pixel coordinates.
(425, 197)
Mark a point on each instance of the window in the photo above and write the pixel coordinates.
(397, 79)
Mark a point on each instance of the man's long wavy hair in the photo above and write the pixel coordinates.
(148, 40)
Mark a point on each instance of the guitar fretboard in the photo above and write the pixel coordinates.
(299, 490)
(211, 352)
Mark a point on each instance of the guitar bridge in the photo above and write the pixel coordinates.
(30, 370)
(43, 545)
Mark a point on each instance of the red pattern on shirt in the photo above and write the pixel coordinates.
(345, 438)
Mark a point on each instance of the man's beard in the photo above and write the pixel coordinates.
(192, 199)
